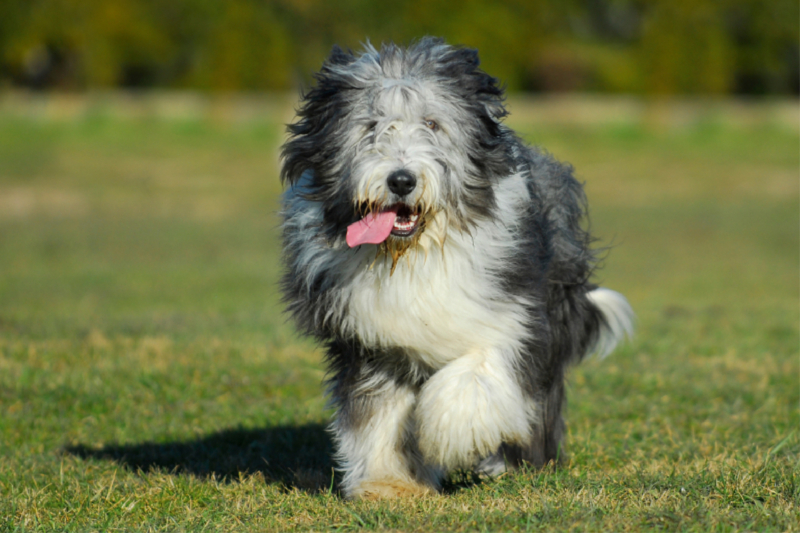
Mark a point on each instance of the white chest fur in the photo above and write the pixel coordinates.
(440, 306)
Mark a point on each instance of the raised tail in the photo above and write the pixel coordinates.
(617, 320)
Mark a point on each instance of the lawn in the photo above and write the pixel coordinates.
(149, 381)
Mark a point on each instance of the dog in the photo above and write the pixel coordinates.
(444, 265)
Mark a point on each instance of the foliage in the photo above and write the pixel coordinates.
(644, 46)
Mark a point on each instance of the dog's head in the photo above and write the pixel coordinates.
(400, 145)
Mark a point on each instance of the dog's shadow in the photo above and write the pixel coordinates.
(292, 456)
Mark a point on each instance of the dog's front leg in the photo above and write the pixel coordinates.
(377, 451)
(471, 406)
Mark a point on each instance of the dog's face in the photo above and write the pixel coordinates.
(400, 146)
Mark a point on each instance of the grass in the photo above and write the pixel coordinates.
(149, 382)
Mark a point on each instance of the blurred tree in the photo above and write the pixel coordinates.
(242, 45)
(684, 48)
(766, 53)
(654, 46)
(88, 43)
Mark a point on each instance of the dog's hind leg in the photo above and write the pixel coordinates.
(374, 431)
(543, 446)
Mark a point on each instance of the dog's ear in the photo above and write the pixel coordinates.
(320, 108)
(483, 98)
(488, 90)
(462, 65)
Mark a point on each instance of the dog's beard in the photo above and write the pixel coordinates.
(396, 247)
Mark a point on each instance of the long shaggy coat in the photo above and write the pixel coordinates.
(444, 265)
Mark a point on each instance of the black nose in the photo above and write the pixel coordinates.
(401, 182)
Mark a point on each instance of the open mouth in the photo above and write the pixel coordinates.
(406, 221)
(398, 220)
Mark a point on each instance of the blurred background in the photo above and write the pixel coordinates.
(742, 47)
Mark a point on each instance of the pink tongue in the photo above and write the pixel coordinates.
(372, 229)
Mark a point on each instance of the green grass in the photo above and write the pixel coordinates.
(149, 382)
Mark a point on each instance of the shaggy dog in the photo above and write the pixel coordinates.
(443, 264)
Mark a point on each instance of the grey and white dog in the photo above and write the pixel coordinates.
(443, 264)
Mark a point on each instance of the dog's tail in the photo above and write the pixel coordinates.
(616, 320)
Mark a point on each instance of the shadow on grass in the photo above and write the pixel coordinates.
(294, 456)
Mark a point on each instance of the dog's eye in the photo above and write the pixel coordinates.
(431, 124)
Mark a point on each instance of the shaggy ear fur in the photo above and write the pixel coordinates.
(460, 69)
(310, 143)
(463, 65)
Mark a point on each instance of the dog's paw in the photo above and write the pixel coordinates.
(468, 408)
(389, 488)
